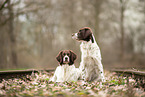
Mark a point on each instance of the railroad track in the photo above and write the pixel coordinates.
(138, 76)
(19, 73)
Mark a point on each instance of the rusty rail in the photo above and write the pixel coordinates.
(19, 73)
(139, 76)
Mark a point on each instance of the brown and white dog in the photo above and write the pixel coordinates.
(66, 70)
(91, 65)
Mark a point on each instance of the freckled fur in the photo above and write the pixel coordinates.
(91, 65)
(91, 61)
(66, 73)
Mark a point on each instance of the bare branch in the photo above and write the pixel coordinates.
(20, 13)
(3, 5)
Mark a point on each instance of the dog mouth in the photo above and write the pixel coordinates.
(66, 62)
(74, 36)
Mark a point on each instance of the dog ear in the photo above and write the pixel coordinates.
(88, 35)
(73, 57)
(92, 39)
(59, 57)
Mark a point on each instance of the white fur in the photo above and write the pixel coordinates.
(91, 54)
(66, 73)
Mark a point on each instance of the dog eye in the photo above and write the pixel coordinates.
(68, 54)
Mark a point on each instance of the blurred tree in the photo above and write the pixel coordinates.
(97, 7)
(38, 29)
(123, 4)
(12, 36)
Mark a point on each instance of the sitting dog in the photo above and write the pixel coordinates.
(66, 70)
(91, 65)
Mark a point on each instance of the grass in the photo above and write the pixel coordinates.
(38, 84)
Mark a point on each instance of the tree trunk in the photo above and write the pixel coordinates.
(12, 37)
(97, 6)
(122, 29)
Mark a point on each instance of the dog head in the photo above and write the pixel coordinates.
(84, 34)
(66, 57)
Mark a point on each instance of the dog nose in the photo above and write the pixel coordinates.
(66, 58)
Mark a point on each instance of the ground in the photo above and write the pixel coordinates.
(38, 84)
